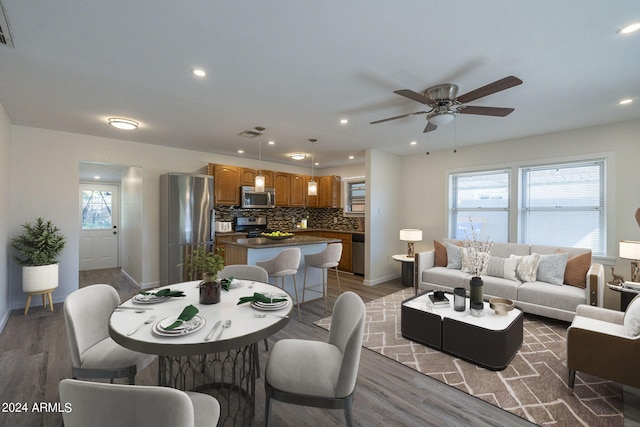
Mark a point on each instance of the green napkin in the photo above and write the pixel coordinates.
(226, 283)
(258, 297)
(186, 315)
(165, 293)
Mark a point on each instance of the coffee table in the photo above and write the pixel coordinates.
(490, 341)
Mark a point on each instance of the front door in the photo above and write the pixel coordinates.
(99, 234)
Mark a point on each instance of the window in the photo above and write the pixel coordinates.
(96, 210)
(355, 197)
(483, 196)
(564, 205)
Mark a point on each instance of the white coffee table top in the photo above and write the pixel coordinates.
(490, 320)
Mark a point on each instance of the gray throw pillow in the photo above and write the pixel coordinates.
(454, 256)
(551, 268)
(502, 267)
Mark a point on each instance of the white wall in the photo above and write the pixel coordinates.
(5, 214)
(44, 164)
(131, 190)
(425, 200)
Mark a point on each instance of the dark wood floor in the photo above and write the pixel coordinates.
(34, 357)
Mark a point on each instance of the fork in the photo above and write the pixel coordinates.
(146, 322)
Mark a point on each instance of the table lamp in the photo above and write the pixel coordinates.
(410, 235)
(630, 249)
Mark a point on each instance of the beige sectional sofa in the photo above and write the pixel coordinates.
(555, 292)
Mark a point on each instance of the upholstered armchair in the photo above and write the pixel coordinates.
(605, 343)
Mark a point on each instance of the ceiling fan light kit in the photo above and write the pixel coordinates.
(446, 104)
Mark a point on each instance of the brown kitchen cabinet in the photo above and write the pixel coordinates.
(248, 177)
(281, 185)
(297, 190)
(329, 191)
(226, 184)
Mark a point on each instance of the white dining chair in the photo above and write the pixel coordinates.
(319, 374)
(93, 353)
(284, 264)
(328, 258)
(107, 405)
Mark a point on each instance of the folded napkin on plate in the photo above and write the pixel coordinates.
(186, 315)
(258, 297)
(164, 293)
(226, 283)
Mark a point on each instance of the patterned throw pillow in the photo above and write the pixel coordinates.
(502, 267)
(527, 267)
(454, 256)
(551, 268)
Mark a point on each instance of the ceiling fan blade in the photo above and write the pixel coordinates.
(398, 117)
(430, 127)
(486, 111)
(415, 96)
(494, 87)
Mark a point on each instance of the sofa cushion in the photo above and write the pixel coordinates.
(445, 277)
(576, 272)
(502, 267)
(498, 287)
(454, 256)
(504, 250)
(632, 318)
(527, 267)
(548, 295)
(551, 268)
(440, 253)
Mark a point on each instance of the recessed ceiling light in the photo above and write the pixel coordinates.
(199, 72)
(413, 143)
(240, 151)
(298, 156)
(625, 101)
(124, 124)
(96, 177)
(317, 163)
(351, 157)
(272, 142)
(629, 28)
(344, 121)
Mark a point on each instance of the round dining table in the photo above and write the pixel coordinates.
(223, 364)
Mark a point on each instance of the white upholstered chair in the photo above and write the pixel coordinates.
(284, 264)
(93, 353)
(105, 405)
(314, 373)
(328, 258)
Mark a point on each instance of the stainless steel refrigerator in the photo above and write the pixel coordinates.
(186, 221)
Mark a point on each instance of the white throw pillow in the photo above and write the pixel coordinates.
(527, 267)
(551, 268)
(454, 256)
(502, 267)
(632, 318)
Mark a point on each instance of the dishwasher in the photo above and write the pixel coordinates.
(357, 253)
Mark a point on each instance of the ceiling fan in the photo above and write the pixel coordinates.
(446, 104)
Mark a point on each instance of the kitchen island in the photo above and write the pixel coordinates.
(245, 250)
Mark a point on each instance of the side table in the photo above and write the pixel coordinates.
(408, 264)
(627, 293)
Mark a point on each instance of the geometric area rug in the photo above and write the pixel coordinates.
(533, 386)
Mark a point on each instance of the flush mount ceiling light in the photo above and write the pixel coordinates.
(298, 156)
(124, 124)
(629, 28)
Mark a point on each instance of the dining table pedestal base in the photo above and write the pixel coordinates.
(229, 376)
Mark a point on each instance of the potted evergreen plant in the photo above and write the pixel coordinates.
(37, 250)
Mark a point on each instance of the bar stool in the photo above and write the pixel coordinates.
(284, 264)
(328, 258)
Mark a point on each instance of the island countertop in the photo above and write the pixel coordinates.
(264, 242)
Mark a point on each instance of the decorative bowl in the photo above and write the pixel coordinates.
(501, 305)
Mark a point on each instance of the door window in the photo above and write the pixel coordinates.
(97, 209)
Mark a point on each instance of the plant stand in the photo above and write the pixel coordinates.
(45, 294)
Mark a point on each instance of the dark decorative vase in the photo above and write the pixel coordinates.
(477, 291)
(210, 289)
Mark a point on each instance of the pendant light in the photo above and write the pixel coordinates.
(312, 186)
(259, 181)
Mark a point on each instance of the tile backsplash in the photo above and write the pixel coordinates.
(287, 218)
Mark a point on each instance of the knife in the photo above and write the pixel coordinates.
(133, 308)
(208, 337)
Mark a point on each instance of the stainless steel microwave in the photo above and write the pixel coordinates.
(250, 198)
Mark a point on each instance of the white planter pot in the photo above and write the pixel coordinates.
(39, 278)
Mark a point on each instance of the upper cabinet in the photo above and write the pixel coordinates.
(291, 189)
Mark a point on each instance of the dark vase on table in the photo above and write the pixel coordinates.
(210, 289)
(477, 289)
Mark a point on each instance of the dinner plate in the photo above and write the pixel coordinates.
(235, 283)
(148, 299)
(269, 306)
(193, 325)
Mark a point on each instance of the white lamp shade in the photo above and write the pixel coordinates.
(411, 235)
(440, 119)
(630, 249)
(312, 188)
(259, 183)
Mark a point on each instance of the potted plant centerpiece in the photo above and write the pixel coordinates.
(37, 250)
(204, 264)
